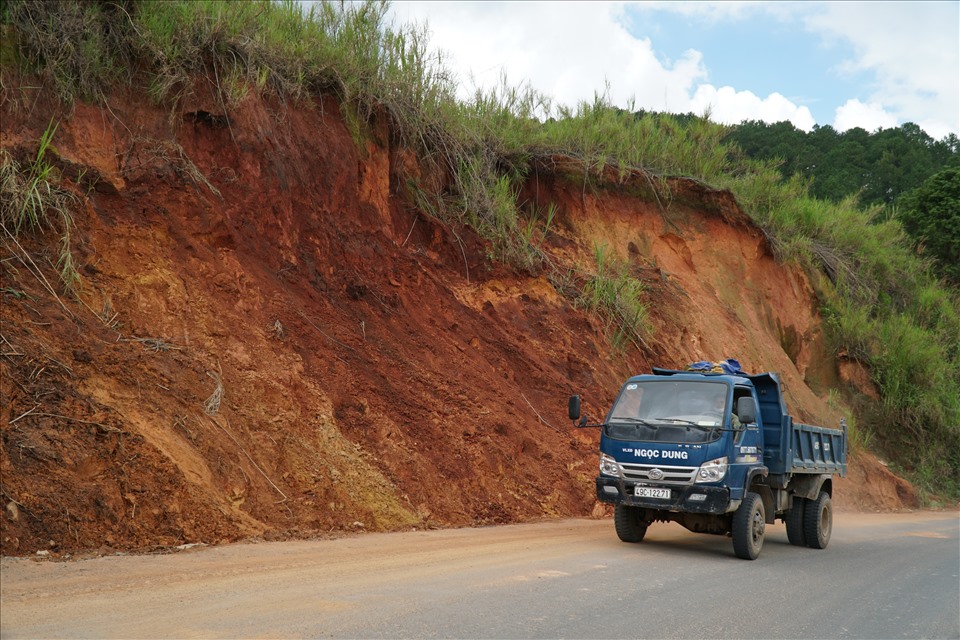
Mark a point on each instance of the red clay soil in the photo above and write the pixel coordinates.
(270, 341)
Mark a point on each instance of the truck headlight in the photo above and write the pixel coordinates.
(609, 466)
(712, 471)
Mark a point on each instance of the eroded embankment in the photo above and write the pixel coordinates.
(271, 341)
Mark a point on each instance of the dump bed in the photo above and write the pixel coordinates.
(790, 447)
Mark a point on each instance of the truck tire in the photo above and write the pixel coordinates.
(794, 520)
(630, 528)
(748, 526)
(818, 521)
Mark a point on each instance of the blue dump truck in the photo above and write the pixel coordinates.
(717, 453)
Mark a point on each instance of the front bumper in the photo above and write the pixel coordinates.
(619, 491)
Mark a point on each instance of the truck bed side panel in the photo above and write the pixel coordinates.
(818, 450)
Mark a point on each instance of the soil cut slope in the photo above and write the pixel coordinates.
(269, 340)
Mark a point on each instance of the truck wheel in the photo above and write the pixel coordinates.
(818, 521)
(794, 521)
(748, 526)
(630, 528)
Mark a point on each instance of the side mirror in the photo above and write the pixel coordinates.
(746, 410)
(573, 408)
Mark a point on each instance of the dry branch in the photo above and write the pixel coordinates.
(538, 414)
(154, 344)
(100, 425)
(212, 404)
(33, 268)
(323, 333)
(255, 465)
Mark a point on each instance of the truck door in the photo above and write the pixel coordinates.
(747, 444)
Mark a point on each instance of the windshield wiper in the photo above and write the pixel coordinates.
(690, 422)
(632, 420)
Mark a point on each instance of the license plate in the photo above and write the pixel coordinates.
(650, 492)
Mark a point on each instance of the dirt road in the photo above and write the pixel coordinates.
(883, 575)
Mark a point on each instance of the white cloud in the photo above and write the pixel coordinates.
(911, 48)
(556, 50)
(869, 117)
(729, 106)
(570, 51)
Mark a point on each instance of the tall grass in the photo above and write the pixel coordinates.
(75, 45)
(33, 200)
(882, 305)
(617, 297)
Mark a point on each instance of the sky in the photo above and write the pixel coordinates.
(874, 65)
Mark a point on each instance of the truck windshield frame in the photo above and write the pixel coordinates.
(670, 411)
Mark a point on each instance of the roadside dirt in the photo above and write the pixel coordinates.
(271, 342)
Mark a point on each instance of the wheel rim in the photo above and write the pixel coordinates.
(758, 525)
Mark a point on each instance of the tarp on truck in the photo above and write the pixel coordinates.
(728, 366)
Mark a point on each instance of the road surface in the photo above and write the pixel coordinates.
(882, 576)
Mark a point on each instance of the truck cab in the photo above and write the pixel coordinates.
(716, 453)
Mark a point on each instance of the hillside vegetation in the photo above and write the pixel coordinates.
(903, 170)
(885, 309)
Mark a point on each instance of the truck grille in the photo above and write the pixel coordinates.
(671, 475)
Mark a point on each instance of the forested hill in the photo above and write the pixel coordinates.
(880, 167)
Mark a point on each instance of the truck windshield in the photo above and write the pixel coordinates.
(668, 411)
